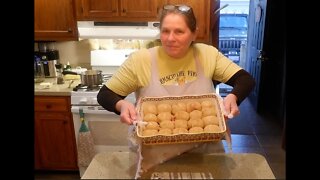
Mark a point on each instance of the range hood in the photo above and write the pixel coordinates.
(121, 30)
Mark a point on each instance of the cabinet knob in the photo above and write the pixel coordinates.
(114, 11)
(123, 10)
(69, 30)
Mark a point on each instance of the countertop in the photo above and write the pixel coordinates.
(55, 89)
(122, 165)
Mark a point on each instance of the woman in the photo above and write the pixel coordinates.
(178, 67)
(175, 68)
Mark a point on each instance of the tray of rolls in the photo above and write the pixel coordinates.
(180, 119)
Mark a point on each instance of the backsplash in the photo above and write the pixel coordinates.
(77, 53)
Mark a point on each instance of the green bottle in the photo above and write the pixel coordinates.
(68, 67)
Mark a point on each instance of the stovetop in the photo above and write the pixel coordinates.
(85, 88)
(87, 96)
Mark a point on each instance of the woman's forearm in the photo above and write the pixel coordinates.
(108, 99)
(242, 83)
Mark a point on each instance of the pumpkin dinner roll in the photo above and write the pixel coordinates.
(195, 114)
(210, 120)
(165, 116)
(180, 131)
(195, 123)
(164, 107)
(180, 106)
(181, 115)
(149, 108)
(209, 112)
(149, 132)
(150, 117)
(196, 130)
(167, 124)
(153, 125)
(207, 104)
(180, 123)
(193, 106)
(165, 131)
(212, 128)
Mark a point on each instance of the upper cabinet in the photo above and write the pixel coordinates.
(202, 10)
(55, 20)
(143, 10)
(117, 10)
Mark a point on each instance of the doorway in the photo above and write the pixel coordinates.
(233, 32)
(265, 56)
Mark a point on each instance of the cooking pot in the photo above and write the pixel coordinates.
(91, 78)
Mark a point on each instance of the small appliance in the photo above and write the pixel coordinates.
(49, 58)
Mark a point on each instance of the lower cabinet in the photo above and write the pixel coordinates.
(55, 144)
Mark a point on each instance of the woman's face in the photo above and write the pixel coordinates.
(175, 35)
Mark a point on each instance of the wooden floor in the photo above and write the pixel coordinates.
(264, 136)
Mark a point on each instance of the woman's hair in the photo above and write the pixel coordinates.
(188, 15)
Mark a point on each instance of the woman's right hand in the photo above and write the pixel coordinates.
(127, 111)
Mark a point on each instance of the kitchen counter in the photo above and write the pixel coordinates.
(55, 89)
(122, 165)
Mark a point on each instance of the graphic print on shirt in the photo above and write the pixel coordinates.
(180, 78)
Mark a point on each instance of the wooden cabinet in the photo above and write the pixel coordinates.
(55, 144)
(55, 20)
(202, 10)
(37, 162)
(143, 10)
(117, 10)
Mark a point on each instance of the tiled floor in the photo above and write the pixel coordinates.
(261, 135)
(268, 146)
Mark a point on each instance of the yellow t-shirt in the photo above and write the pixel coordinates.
(135, 72)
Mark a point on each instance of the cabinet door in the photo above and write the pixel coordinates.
(139, 8)
(98, 8)
(56, 140)
(55, 20)
(37, 162)
(201, 10)
(117, 10)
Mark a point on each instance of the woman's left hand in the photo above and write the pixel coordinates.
(127, 110)
(230, 105)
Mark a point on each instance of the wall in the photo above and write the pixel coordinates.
(77, 53)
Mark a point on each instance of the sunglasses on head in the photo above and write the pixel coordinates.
(182, 8)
